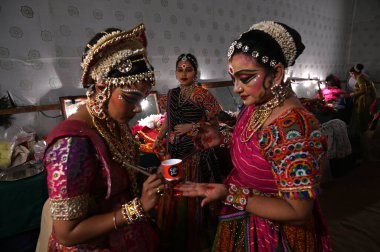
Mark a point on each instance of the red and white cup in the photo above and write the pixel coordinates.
(172, 169)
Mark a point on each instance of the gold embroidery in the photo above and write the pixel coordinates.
(69, 209)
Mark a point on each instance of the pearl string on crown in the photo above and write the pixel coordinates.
(279, 34)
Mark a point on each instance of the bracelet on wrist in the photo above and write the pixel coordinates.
(194, 129)
(237, 197)
(114, 220)
(226, 135)
(132, 211)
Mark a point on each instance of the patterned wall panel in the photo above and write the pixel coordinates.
(365, 41)
(42, 40)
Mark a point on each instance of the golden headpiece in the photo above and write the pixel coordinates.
(260, 40)
(118, 58)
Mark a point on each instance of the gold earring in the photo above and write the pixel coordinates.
(280, 92)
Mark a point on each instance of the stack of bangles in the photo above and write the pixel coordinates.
(237, 197)
(132, 212)
(226, 135)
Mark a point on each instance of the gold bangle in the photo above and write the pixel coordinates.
(132, 211)
(114, 220)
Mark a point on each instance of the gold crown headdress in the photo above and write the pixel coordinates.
(119, 50)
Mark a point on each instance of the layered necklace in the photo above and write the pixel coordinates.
(262, 113)
(185, 93)
(121, 143)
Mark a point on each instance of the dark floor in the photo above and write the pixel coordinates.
(25, 242)
(351, 205)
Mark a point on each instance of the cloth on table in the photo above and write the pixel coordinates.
(338, 143)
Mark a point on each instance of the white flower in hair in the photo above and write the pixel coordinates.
(282, 37)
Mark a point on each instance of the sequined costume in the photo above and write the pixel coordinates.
(196, 224)
(84, 181)
(283, 159)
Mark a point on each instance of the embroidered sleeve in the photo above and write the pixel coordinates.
(70, 166)
(207, 101)
(295, 148)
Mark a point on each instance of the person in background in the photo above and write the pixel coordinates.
(271, 195)
(96, 202)
(375, 114)
(185, 225)
(370, 141)
(332, 91)
(363, 95)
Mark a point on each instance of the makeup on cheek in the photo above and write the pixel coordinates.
(255, 85)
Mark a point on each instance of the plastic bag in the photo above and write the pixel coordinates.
(9, 139)
(39, 149)
(7, 143)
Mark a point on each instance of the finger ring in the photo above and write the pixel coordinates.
(159, 192)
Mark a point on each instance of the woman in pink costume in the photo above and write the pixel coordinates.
(96, 201)
(271, 195)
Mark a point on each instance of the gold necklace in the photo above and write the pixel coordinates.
(261, 114)
(185, 93)
(124, 149)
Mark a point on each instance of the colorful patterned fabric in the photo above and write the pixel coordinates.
(338, 143)
(331, 93)
(83, 181)
(294, 146)
(197, 224)
(281, 160)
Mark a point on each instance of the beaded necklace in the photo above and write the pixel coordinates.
(185, 93)
(124, 149)
(261, 114)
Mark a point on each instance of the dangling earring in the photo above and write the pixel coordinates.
(195, 80)
(96, 105)
(280, 92)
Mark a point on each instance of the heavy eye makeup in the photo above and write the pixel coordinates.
(245, 76)
(132, 96)
(187, 69)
